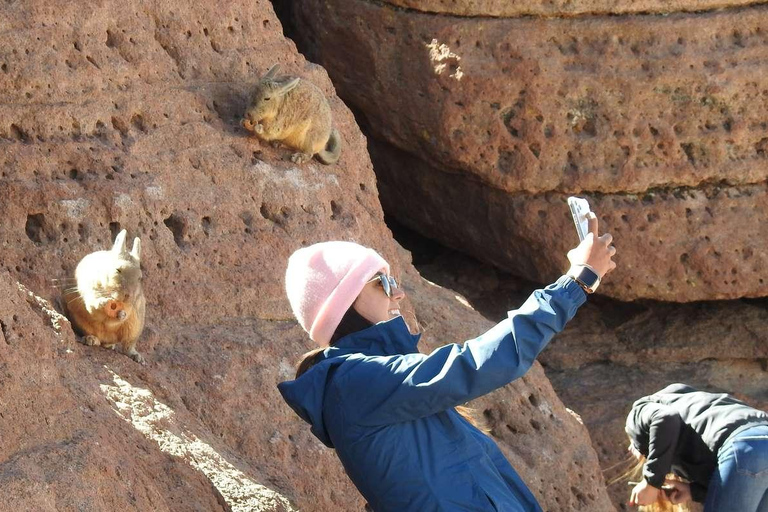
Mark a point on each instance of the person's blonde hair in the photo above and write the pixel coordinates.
(635, 474)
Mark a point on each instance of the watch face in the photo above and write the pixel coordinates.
(589, 278)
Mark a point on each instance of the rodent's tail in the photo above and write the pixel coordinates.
(332, 150)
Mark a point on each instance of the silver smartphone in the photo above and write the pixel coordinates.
(579, 210)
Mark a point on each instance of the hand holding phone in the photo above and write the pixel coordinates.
(579, 210)
(593, 252)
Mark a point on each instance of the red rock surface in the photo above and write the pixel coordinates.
(125, 115)
(558, 8)
(63, 446)
(715, 249)
(658, 121)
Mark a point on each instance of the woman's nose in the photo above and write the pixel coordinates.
(398, 294)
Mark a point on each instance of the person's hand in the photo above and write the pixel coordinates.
(595, 251)
(681, 492)
(644, 494)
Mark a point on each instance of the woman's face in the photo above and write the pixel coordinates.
(374, 305)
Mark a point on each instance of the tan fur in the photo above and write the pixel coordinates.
(294, 112)
(108, 306)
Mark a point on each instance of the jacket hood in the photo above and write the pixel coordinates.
(306, 395)
(634, 428)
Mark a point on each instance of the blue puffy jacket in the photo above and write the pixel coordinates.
(389, 410)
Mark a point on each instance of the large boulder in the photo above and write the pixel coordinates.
(512, 8)
(491, 122)
(125, 115)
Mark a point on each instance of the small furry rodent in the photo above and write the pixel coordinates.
(296, 113)
(107, 304)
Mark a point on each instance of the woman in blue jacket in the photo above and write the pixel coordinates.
(388, 410)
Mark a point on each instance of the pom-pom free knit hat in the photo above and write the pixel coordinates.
(323, 280)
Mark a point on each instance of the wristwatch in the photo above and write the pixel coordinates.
(585, 276)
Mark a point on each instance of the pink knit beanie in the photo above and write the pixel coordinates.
(323, 280)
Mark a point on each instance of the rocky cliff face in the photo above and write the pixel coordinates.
(493, 119)
(559, 8)
(125, 115)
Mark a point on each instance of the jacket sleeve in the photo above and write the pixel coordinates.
(698, 492)
(386, 390)
(664, 429)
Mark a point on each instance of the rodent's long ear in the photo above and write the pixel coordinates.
(285, 88)
(271, 73)
(136, 251)
(119, 246)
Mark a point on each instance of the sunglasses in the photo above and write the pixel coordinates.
(389, 283)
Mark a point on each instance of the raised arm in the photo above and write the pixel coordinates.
(399, 388)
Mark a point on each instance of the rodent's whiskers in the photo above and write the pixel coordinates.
(73, 293)
(58, 283)
(73, 299)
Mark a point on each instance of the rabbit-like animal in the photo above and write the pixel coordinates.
(107, 305)
(294, 112)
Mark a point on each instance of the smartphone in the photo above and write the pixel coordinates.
(579, 210)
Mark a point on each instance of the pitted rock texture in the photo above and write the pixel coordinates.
(659, 120)
(125, 115)
(63, 447)
(716, 249)
(560, 8)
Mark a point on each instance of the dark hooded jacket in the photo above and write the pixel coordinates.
(388, 410)
(680, 430)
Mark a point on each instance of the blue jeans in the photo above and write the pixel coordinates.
(740, 481)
